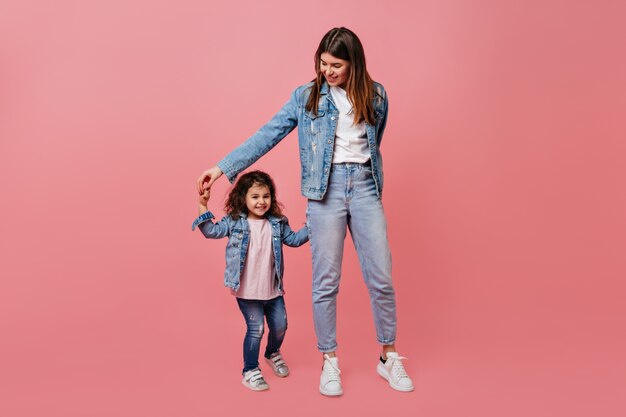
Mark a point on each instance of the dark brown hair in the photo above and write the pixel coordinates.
(236, 200)
(342, 43)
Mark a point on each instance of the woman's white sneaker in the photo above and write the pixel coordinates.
(393, 371)
(254, 380)
(330, 381)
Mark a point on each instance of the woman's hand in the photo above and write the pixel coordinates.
(209, 176)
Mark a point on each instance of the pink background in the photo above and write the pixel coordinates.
(505, 194)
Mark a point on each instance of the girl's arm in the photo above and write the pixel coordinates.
(209, 229)
(291, 238)
(203, 200)
(263, 140)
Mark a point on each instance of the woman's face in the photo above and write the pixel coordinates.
(335, 70)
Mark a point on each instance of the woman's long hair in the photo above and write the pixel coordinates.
(342, 43)
(236, 201)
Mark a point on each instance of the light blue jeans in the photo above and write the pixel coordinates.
(350, 202)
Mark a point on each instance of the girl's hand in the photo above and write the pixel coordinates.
(204, 197)
(209, 176)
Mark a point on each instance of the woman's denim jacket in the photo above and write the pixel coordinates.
(316, 137)
(238, 234)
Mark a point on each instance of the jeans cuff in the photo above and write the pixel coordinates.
(326, 349)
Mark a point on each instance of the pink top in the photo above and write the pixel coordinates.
(257, 281)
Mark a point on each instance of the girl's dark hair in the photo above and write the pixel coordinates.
(236, 201)
(342, 43)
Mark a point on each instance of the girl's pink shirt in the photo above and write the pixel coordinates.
(258, 277)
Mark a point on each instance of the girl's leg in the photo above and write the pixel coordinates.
(368, 228)
(327, 221)
(252, 311)
(276, 315)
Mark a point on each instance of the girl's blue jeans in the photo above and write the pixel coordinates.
(351, 202)
(255, 312)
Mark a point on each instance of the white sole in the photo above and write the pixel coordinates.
(382, 371)
(330, 393)
(245, 384)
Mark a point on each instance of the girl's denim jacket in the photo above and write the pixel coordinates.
(316, 137)
(238, 234)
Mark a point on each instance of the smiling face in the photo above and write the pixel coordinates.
(335, 70)
(258, 201)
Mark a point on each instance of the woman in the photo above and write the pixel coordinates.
(341, 118)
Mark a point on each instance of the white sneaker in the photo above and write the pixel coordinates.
(278, 365)
(393, 371)
(330, 382)
(254, 380)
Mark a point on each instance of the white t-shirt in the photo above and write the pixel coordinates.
(258, 282)
(350, 139)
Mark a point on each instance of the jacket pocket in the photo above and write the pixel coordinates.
(313, 122)
(235, 238)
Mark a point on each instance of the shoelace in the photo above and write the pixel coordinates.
(397, 368)
(332, 371)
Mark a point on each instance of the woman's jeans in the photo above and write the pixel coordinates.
(350, 202)
(254, 312)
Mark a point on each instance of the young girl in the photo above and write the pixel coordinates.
(256, 230)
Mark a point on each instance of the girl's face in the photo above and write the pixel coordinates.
(335, 70)
(258, 201)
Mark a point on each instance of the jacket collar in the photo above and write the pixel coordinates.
(325, 88)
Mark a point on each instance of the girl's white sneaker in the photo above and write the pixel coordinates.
(254, 380)
(278, 365)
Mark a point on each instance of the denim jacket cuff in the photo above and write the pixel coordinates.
(228, 170)
(201, 219)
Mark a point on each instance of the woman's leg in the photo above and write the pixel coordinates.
(327, 221)
(252, 311)
(368, 228)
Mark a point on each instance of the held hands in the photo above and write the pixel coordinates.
(203, 200)
(204, 197)
(209, 176)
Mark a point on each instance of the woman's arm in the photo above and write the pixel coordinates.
(263, 140)
(383, 124)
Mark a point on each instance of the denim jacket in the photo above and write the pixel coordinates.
(316, 138)
(238, 234)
